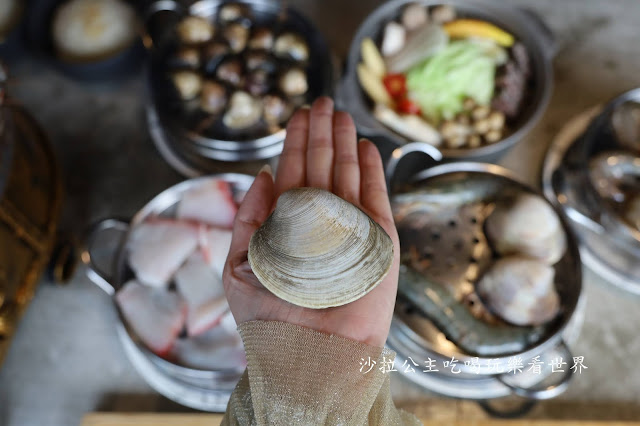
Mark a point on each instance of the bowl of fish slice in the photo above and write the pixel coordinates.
(167, 280)
(490, 273)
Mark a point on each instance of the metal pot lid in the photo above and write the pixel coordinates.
(523, 23)
(197, 128)
(606, 245)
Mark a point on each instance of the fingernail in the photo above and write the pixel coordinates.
(266, 169)
(305, 106)
(362, 140)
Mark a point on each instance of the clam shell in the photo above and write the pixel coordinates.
(527, 225)
(520, 290)
(317, 250)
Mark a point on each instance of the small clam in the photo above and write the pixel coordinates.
(187, 57)
(527, 225)
(214, 51)
(231, 12)
(294, 82)
(258, 82)
(276, 109)
(237, 36)
(257, 59)
(188, 84)
(194, 29)
(317, 250)
(244, 111)
(262, 38)
(213, 98)
(290, 45)
(520, 290)
(230, 71)
(626, 125)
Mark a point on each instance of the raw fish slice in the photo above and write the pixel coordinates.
(205, 316)
(211, 203)
(197, 282)
(158, 247)
(215, 246)
(202, 289)
(218, 348)
(155, 315)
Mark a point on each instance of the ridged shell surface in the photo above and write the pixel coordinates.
(317, 250)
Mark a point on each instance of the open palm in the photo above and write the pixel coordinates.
(320, 150)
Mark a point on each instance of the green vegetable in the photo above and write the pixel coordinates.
(441, 83)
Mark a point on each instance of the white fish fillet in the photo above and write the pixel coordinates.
(215, 244)
(218, 348)
(155, 315)
(158, 247)
(201, 287)
(211, 203)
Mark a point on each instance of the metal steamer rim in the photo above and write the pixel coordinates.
(600, 251)
(405, 340)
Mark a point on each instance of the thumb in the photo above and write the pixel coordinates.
(254, 209)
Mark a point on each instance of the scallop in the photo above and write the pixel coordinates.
(187, 57)
(231, 12)
(294, 82)
(188, 84)
(213, 98)
(276, 109)
(237, 36)
(194, 29)
(262, 38)
(291, 45)
(258, 82)
(527, 225)
(520, 290)
(230, 71)
(317, 250)
(244, 111)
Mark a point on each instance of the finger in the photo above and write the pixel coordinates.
(346, 169)
(291, 166)
(320, 145)
(254, 210)
(373, 188)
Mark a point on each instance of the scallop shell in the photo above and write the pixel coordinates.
(317, 250)
(527, 225)
(520, 290)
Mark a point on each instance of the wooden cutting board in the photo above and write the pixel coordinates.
(431, 412)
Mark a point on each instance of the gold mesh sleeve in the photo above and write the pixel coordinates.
(299, 376)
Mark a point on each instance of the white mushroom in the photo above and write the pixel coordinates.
(394, 38)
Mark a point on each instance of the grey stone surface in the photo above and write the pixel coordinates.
(66, 360)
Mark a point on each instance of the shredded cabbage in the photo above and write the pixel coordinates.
(441, 83)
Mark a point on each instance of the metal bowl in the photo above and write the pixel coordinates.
(413, 334)
(117, 66)
(209, 384)
(608, 244)
(524, 24)
(214, 140)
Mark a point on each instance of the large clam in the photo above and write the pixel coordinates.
(317, 250)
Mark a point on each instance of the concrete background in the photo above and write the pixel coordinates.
(66, 360)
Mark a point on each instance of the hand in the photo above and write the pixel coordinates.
(320, 150)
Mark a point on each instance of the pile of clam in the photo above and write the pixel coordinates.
(233, 68)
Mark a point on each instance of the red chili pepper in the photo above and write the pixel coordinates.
(396, 85)
(407, 106)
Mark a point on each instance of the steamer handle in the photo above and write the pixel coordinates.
(95, 274)
(549, 391)
(399, 153)
(150, 12)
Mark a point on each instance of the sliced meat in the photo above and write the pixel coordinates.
(201, 287)
(215, 244)
(158, 247)
(211, 203)
(155, 315)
